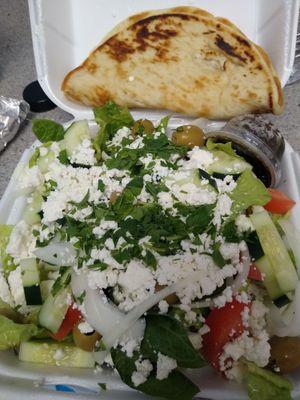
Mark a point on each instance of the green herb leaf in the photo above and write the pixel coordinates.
(163, 124)
(175, 387)
(101, 185)
(168, 336)
(203, 174)
(102, 386)
(63, 157)
(46, 130)
(62, 281)
(217, 256)
(154, 189)
(230, 232)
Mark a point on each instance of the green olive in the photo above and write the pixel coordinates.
(285, 353)
(171, 299)
(188, 135)
(142, 126)
(85, 341)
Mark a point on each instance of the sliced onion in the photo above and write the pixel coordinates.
(286, 322)
(242, 276)
(57, 253)
(107, 319)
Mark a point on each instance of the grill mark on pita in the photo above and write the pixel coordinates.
(242, 41)
(118, 49)
(161, 17)
(208, 32)
(227, 48)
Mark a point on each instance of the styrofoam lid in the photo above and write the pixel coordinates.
(64, 32)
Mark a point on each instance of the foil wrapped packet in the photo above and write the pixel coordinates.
(12, 113)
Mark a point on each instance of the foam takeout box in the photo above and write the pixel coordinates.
(64, 32)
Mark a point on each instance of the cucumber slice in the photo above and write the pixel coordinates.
(227, 164)
(274, 249)
(270, 281)
(44, 161)
(75, 134)
(222, 176)
(31, 280)
(31, 213)
(191, 176)
(46, 287)
(59, 354)
(254, 246)
(54, 309)
(282, 301)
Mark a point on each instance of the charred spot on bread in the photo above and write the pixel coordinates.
(227, 48)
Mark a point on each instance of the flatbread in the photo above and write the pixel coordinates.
(181, 59)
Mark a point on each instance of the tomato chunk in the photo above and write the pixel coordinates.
(254, 273)
(73, 316)
(226, 324)
(280, 203)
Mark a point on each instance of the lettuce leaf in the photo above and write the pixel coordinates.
(6, 259)
(110, 117)
(226, 147)
(249, 191)
(266, 385)
(12, 334)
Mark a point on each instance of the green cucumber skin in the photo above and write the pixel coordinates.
(269, 281)
(33, 295)
(75, 134)
(227, 164)
(275, 250)
(30, 272)
(46, 353)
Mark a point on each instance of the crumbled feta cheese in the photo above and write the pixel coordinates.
(230, 252)
(244, 224)
(163, 307)
(102, 279)
(131, 78)
(31, 178)
(84, 327)
(21, 242)
(137, 283)
(165, 365)
(84, 153)
(223, 208)
(143, 369)
(198, 158)
(104, 226)
(165, 199)
(16, 287)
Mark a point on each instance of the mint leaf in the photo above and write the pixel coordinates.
(249, 191)
(168, 336)
(47, 131)
(12, 334)
(63, 157)
(175, 387)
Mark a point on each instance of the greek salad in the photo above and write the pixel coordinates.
(152, 256)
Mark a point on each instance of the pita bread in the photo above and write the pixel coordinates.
(181, 59)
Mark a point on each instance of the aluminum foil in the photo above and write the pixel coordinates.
(12, 113)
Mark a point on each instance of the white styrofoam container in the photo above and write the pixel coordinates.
(64, 31)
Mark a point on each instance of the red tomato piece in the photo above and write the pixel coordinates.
(280, 203)
(72, 317)
(254, 273)
(226, 324)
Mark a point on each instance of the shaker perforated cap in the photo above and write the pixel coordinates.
(37, 98)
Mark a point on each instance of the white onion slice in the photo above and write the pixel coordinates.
(57, 253)
(107, 319)
(242, 276)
